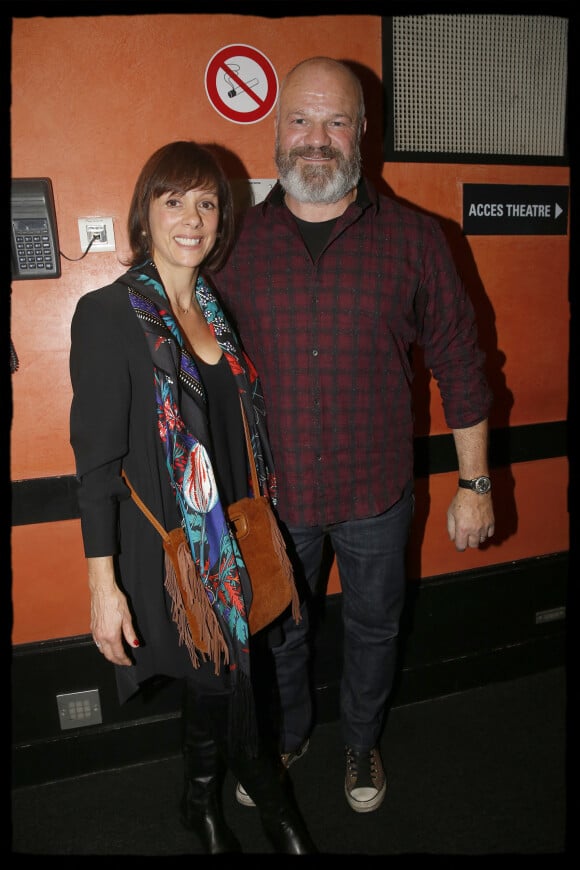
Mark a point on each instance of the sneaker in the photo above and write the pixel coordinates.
(287, 758)
(243, 797)
(365, 784)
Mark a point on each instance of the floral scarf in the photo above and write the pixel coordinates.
(182, 418)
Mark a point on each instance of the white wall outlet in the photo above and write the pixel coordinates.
(99, 230)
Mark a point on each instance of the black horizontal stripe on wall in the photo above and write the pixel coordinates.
(435, 454)
(51, 499)
(44, 500)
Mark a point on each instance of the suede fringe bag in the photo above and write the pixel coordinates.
(264, 553)
(196, 621)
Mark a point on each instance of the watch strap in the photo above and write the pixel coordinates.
(480, 484)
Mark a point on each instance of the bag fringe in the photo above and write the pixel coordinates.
(197, 624)
(280, 548)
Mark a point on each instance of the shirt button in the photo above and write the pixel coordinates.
(319, 458)
(314, 352)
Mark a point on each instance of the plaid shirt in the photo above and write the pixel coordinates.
(331, 340)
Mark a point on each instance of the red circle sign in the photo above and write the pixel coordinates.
(241, 84)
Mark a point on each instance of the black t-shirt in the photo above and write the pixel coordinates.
(315, 234)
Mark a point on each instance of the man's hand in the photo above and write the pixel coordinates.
(470, 519)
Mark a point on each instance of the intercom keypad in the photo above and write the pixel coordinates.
(33, 248)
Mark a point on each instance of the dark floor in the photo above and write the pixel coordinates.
(480, 772)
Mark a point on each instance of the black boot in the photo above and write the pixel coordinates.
(201, 805)
(267, 785)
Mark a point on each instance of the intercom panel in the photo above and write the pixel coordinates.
(34, 236)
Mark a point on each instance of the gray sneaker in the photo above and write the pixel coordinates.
(365, 784)
(287, 758)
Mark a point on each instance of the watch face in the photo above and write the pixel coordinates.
(482, 485)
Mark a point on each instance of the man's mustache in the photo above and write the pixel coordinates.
(324, 151)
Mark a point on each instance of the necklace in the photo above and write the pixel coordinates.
(180, 308)
(188, 309)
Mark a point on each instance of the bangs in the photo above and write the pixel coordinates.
(180, 184)
(185, 167)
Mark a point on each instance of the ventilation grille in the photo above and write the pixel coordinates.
(479, 84)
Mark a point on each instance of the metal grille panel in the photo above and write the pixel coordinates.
(480, 84)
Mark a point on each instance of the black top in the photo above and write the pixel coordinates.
(226, 429)
(315, 234)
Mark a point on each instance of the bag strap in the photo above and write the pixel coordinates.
(141, 504)
(251, 460)
(255, 485)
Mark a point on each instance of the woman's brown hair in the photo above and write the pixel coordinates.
(178, 167)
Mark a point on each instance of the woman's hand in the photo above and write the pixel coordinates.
(111, 622)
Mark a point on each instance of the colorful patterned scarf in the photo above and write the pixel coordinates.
(181, 413)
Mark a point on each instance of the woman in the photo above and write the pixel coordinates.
(158, 376)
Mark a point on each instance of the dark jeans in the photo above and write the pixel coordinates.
(370, 556)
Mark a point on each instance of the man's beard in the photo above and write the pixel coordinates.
(321, 182)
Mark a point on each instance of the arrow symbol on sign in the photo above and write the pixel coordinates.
(557, 211)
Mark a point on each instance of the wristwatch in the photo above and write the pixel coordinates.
(481, 484)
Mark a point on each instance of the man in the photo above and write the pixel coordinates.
(331, 284)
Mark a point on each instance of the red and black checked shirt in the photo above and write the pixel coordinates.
(331, 341)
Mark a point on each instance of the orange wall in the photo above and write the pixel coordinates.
(114, 88)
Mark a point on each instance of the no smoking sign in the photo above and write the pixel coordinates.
(241, 84)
